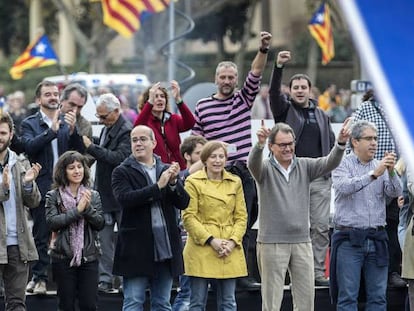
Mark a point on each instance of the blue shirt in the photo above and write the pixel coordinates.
(359, 199)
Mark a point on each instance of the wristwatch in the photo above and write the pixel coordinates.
(371, 173)
(264, 50)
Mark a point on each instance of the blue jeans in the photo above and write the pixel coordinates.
(351, 261)
(225, 291)
(160, 289)
(182, 300)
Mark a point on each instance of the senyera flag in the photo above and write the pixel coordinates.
(382, 32)
(125, 16)
(320, 28)
(39, 53)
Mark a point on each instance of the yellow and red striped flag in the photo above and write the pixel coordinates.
(124, 16)
(39, 53)
(321, 30)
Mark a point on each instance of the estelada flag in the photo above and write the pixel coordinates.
(39, 53)
(321, 30)
(125, 16)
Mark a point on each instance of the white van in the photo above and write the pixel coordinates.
(129, 84)
(96, 80)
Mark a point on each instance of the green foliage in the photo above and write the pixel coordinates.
(228, 22)
(14, 22)
(31, 77)
(343, 47)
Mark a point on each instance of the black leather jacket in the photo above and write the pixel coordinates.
(59, 223)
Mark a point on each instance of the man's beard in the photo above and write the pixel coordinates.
(51, 105)
(4, 146)
(227, 90)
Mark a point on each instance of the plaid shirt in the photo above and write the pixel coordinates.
(372, 111)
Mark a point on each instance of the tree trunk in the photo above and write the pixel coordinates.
(240, 56)
(313, 61)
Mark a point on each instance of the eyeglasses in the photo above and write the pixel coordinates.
(103, 117)
(142, 140)
(369, 138)
(283, 146)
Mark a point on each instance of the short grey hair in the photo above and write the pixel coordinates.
(151, 133)
(280, 127)
(226, 64)
(360, 126)
(109, 101)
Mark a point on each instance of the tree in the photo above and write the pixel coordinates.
(13, 26)
(94, 43)
(227, 20)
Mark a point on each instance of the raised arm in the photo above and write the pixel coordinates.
(278, 102)
(259, 62)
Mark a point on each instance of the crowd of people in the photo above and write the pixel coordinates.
(184, 210)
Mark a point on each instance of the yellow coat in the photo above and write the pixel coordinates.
(408, 253)
(217, 208)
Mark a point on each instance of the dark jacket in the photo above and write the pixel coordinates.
(115, 149)
(36, 138)
(167, 132)
(134, 254)
(59, 222)
(285, 110)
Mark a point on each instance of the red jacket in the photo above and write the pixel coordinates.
(167, 132)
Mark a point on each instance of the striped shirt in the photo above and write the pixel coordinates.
(359, 199)
(229, 120)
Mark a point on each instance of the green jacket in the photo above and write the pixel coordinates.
(24, 198)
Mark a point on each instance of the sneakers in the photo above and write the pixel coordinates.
(40, 288)
(395, 280)
(105, 287)
(36, 288)
(30, 287)
(321, 281)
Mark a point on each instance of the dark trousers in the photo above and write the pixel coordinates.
(250, 196)
(107, 238)
(393, 246)
(14, 275)
(76, 283)
(41, 236)
(392, 219)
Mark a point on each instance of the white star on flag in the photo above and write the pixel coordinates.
(319, 18)
(41, 48)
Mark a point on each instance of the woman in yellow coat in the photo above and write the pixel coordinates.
(216, 221)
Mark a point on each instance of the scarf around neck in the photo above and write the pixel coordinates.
(76, 229)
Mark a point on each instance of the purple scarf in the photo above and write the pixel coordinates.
(76, 228)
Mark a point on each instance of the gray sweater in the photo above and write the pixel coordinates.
(284, 205)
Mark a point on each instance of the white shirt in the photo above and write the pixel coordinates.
(54, 141)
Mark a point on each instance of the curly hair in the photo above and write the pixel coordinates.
(145, 96)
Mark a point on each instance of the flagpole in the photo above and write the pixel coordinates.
(171, 50)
